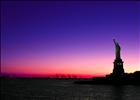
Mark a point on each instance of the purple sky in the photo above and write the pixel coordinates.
(68, 37)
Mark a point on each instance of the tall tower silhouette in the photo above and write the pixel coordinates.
(118, 70)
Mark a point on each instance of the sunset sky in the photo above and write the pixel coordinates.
(41, 38)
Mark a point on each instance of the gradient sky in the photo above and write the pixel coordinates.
(42, 38)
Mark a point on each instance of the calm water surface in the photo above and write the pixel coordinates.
(35, 89)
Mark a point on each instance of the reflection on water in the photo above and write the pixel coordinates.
(64, 90)
(118, 92)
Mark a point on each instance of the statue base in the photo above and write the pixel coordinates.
(118, 70)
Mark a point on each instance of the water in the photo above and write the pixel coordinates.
(35, 89)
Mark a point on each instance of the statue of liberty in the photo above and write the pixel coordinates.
(118, 70)
(117, 49)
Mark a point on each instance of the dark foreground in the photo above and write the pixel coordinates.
(55, 89)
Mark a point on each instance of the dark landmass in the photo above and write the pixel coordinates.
(126, 79)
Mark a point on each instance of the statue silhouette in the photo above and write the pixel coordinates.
(118, 63)
(117, 49)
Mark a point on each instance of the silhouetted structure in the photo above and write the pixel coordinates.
(118, 76)
(118, 70)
